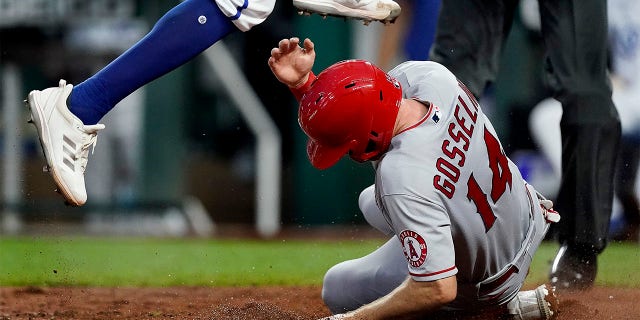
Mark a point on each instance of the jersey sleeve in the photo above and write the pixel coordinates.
(426, 81)
(424, 231)
(245, 14)
(300, 91)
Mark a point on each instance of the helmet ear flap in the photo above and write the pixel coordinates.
(371, 145)
(373, 148)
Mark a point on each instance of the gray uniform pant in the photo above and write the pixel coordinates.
(354, 283)
(469, 40)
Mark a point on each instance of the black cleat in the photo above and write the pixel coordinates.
(574, 268)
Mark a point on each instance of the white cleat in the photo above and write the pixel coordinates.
(385, 11)
(65, 140)
(538, 304)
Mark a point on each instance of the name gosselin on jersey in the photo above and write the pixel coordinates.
(455, 146)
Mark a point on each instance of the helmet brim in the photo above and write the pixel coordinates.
(322, 156)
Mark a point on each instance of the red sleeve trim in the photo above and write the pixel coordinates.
(433, 273)
(300, 91)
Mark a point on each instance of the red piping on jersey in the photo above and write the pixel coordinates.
(486, 288)
(431, 274)
(426, 116)
(494, 297)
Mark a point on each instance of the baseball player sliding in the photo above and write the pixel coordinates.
(464, 225)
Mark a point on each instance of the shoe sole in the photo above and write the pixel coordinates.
(548, 303)
(337, 10)
(37, 118)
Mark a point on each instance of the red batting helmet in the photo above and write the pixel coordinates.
(351, 107)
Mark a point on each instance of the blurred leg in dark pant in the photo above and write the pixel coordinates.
(469, 40)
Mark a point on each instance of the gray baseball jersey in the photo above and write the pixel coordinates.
(456, 202)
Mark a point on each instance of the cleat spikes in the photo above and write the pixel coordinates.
(45, 168)
(365, 21)
(383, 11)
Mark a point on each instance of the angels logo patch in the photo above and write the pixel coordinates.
(414, 247)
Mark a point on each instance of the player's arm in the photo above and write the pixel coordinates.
(432, 283)
(291, 64)
(409, 300)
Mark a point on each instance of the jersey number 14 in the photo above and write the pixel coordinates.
(501, 177)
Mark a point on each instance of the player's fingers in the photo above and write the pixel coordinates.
(288, 45)
(276, 53)
(308, 45)
(283, 45)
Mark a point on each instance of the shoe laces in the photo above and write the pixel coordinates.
(90, 139)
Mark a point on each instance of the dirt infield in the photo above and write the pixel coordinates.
(274, 303)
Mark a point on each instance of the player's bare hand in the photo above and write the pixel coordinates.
(292, 63)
